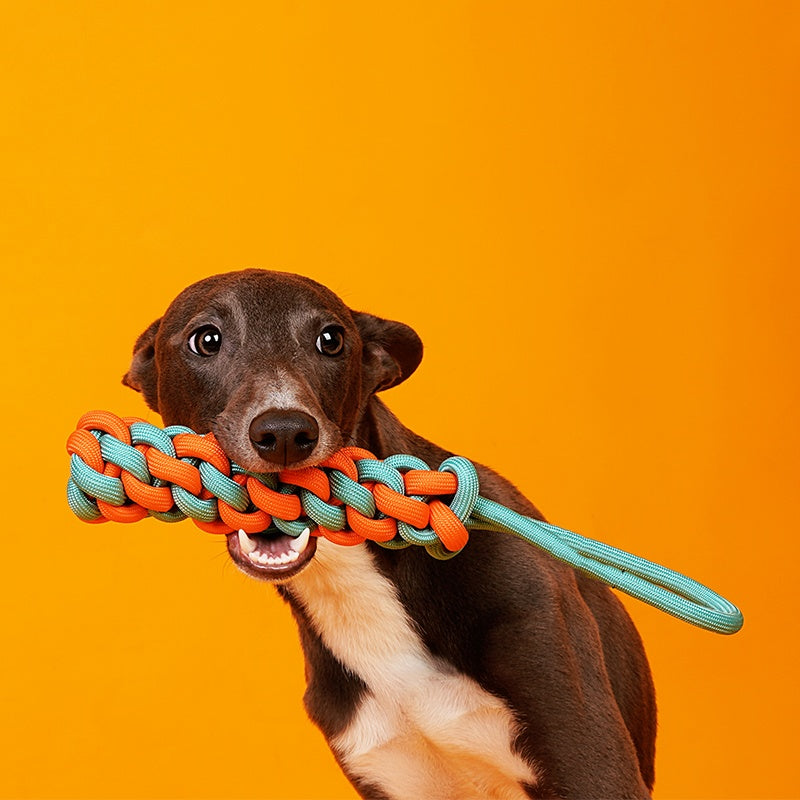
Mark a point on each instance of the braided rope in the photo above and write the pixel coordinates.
(125, 469)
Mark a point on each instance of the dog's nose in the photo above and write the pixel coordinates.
(284, 436)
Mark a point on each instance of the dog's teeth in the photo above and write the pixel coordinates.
(301, 542)
(249, 547)
(246, 544)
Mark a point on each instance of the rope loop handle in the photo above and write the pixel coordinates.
(125, 469)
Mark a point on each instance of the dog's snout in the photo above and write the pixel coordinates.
(284, 436)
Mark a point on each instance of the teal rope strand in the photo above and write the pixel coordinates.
(665, 589)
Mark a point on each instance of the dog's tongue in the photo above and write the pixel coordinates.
(273, 549)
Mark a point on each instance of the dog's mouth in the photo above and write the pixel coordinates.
(271, 555)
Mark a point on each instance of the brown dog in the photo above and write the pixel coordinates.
(501, 673)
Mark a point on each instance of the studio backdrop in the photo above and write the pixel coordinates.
(587, 211)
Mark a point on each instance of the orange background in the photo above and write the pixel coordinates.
(587, 211)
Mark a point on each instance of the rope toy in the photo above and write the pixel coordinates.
(125, 469)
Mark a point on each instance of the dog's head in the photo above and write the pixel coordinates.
(279, 369)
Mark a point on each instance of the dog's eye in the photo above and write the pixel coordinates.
(205, 341)
(331, 341)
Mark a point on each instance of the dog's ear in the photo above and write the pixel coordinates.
(142, 375)
(392, 351)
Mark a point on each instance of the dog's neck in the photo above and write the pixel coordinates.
(382, 433)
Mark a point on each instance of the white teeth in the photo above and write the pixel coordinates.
(249, 547)
(246, 544)
(299, 544)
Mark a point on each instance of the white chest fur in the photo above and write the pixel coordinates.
(424, 730)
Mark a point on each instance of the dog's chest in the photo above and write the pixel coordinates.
(423, 729)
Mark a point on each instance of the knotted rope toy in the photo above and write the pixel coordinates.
(125, 469)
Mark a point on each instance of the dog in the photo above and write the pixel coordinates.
(500, 673)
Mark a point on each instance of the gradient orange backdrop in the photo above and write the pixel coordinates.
(587, 211)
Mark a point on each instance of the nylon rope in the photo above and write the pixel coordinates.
(125, 469)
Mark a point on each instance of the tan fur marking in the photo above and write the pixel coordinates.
(424, 730)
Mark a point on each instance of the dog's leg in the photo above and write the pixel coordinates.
(571, 721)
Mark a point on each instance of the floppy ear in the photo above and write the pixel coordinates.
(142, 375)
(392, 351)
